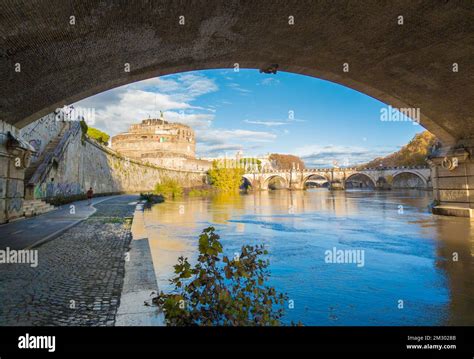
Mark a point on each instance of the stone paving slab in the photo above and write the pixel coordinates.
(79, 277)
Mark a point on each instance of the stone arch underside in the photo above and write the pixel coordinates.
(268, 180)
(247, 180)
(409, 179)
(314, 176)
(62, 64)
(366, 177)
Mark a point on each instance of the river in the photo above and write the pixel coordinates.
(417, 268)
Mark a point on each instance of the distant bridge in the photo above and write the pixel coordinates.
(342, 178)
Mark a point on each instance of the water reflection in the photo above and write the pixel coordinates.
(408, 252)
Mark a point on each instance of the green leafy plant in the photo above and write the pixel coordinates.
(219, 290)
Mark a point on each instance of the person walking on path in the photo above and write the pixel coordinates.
(90, 193)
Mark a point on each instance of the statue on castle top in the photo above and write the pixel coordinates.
(162, 117)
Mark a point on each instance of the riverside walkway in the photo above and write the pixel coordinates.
(29, 232)
(80, 273)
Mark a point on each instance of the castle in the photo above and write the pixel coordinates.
(160, 143)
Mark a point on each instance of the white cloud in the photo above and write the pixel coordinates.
(235, 86)
(195, 120)
(266, 123)
(269, 81)
(159, 83)
(132, 107)
(185, 87)
(218, 150)
(222, 136)
(117, 109)
(215, 142)
(325, 155)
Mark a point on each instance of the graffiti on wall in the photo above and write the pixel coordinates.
(16, 203)
(41, 132)
(48, 190)
(15, 197)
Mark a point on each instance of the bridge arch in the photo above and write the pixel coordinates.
(413, 179)
(247, 181)
(268, 179)
(141, 40)
(310, 176)
(353, 176)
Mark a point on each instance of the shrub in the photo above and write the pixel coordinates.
(84, 129)
(222, 291)
(98, 135)
(199, 192)
(169, 188)
(151, 198)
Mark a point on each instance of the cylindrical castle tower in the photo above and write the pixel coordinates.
(158, 142)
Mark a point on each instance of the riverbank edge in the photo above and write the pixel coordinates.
(139, 282)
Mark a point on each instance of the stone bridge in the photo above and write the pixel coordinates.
(45, 45)
(337, 178)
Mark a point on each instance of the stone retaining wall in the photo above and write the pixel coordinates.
(86, 163)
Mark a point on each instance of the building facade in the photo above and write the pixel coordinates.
(160, 143)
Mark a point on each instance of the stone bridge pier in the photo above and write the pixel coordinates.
(452, 169)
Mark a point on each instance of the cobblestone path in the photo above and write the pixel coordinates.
(79, 277)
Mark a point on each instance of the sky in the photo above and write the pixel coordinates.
(322, 122)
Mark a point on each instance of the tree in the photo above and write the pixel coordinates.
(249, 164)
(286, 162)
(412, 154)
(226, 179)
(219, 290)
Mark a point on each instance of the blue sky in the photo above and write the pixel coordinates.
(258, 113)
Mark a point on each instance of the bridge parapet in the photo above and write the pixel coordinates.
(392, 168)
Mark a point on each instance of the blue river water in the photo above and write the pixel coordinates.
(408, 267)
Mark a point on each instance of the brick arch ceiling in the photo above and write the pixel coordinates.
(407, 65)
